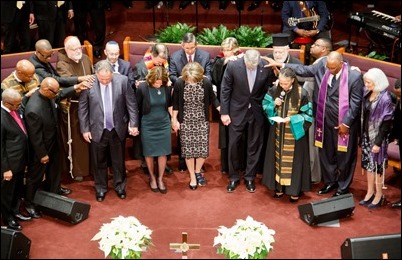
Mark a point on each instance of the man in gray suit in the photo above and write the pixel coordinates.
(244, 84)
(178, 60)
(106, 112)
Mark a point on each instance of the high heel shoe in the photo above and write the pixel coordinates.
(367, 202)
(192, 187)
(379, 204)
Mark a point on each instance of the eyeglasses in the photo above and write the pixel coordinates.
(45, 56)
(54, 92)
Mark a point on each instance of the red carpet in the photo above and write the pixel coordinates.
(202, 211)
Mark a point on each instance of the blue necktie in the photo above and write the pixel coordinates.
(333, 81)
(108, 109)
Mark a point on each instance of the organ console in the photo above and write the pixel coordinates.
(385, 27)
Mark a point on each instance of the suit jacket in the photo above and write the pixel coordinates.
(235, 92)
(125, 111)
(292, 9)
(9, 9)
(42, 124)
(44, 70)
(179, 59)
(14, 145)
(355, 85)
(48, 10)
(126, 70)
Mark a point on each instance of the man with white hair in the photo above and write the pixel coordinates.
(244, 84)
(74, 152)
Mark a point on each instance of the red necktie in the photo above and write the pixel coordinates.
(17, 118)
(190, 59)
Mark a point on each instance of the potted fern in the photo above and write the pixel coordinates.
(174, 33)
(214, 36)
(252, 37)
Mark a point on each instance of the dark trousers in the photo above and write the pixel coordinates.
(109, 144)
(253, 146)
(11, 192)
(38, 170)
(97, 22)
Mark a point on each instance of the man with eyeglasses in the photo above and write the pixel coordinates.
(42, 128)
(74, 152)
(44, 68)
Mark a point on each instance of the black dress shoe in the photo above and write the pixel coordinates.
(100, 196)
(205, 4)
(223, 5)
(339, 193)
(232, 185)
(327, 188)
(121, 194)
(184, 4)
(396, 204)
(33, 212)
(13, 224)
(64, 191)
(193, 187)
(21, 217)
(250, 186)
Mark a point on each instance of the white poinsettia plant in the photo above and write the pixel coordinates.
(247, 239)
(124, 238)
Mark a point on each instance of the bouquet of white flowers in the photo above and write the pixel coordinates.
(124, 238)
(247, 239)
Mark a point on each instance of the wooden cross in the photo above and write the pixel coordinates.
(183, 247)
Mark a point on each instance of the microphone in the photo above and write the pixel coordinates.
(282, 95)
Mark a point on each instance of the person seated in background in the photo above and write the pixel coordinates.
(292, 11)
(156, 55)
(23, 79)
(74, 152)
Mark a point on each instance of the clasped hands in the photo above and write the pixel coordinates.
(133, 131)
(343, 130)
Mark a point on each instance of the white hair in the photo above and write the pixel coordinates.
(378, 77)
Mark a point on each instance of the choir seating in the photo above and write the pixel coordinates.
(8, 61)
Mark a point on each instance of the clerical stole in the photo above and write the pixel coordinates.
(285, 143)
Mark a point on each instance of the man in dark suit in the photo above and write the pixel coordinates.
(51, 17)
(244, 84)
(42, 127)
(105, 112)
(178, 60)
(43, 68)
(16, 17)
(337, 102)
(14, 156)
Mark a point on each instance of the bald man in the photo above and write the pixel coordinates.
(42, 127)
(14, 158)
(23, 79)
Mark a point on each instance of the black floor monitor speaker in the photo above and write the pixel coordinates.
(61, 207)
(14, 244)
(327, 209)
(372, 247)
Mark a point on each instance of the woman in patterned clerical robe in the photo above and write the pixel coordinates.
(287, 163)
